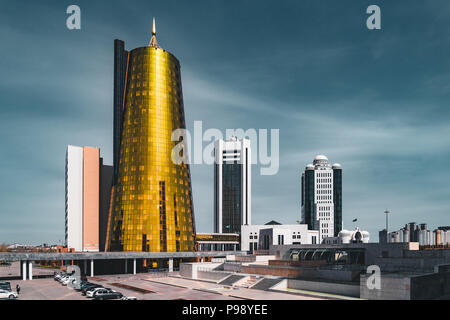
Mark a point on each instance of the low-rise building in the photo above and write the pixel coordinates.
(217, 241)
(349, 236)
(413, 232)
(260, 237)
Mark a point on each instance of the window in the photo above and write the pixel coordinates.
(280, 239)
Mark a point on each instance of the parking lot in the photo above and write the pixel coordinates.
(143, 286)
(130, 286)
(140, 286)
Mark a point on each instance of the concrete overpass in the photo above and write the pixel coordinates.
(26, 258)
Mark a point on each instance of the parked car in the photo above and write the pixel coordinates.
(91, 292)
(90, 287)
(5, 285)
(84, 284)
(8, 294)
(60, 276)
(107, 294)
(68, 280)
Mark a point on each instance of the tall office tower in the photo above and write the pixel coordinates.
(337, 197)
(322, 197)
(106, 182)
(232, 190)
(84, 189)
(152, 208)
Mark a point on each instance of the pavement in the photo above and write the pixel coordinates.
(145, 286)
(234, 292)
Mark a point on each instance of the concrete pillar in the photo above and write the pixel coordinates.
(170, 265)
(126, 266)
(85, 267)
(92, 267)
(30, 270)
(24, 270)
(134, 266)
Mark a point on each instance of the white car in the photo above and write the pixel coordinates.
(91, 293)
(5, 294)
(61, 280)
(68, 280)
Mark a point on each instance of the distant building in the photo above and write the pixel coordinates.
(232, 185)
(348, 236)
(88, 183)
(321, 199)
(260, 237)
(413, 232)
(16, 246)
(217, 241)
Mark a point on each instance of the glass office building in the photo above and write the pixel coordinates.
(232, 185)
(151, 208)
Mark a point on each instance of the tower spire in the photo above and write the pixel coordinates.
(153, 42)
(154, 27)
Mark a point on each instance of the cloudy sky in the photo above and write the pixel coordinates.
(375, 101)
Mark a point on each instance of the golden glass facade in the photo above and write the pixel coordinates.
(152, 207)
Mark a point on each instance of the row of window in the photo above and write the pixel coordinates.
(323, 174)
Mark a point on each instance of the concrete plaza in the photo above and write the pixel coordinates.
(143, 286)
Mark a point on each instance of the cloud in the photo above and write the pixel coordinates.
(374, 102)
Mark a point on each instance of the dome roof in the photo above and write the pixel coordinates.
(321, 157)
(337, 166)
(345, 233)
(310, 167)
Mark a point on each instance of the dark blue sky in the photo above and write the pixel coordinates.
(375, 101)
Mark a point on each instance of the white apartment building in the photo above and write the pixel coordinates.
(322, 197)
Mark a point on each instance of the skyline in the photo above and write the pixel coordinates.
(304, 68)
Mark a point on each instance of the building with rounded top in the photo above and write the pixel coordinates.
(349, 236)
(321, 198)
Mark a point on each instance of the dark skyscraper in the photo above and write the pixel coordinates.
(152, 207)
(106, 181)
(232, 190)
(120, 72)
(337, 198)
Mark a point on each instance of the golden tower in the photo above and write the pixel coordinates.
(151, 201)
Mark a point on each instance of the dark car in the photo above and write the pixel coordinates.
(5, 286)
(89, 287)
(83, 285)
(106, 294)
